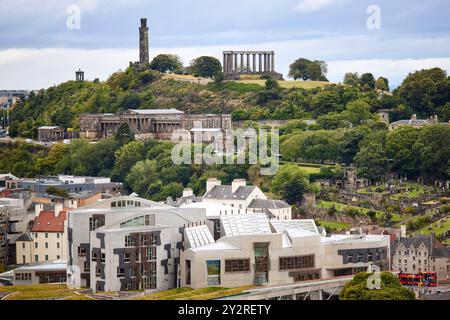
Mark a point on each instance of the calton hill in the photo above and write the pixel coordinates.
(348, 159)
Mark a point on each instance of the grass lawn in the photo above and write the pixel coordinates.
(340, 207)
(290, 83)
(334, 225)
(438, 228)
(42, 291)
(190, 294)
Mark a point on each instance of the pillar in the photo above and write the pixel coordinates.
(260, 62)
(235, 62)
(247, 67)
(273, 62)
(230, 62)
(224, 63)
(254, 63)
(242, 62)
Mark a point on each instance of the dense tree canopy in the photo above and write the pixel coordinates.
(166, 63)
(207, 67)
(308, 70)
(360, 288)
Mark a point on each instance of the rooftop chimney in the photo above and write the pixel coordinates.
(38, 208)
(58, 208)
(237, 183)
(211, 183)
(403, 231)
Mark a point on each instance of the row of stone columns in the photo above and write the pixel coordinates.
(266, 62)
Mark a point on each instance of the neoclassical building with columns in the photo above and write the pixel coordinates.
(238, 63)
(151, 124)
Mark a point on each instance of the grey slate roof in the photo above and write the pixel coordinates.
(429, 240)
(225, 192)
(24, 237)
(268, 204)
(441, 252)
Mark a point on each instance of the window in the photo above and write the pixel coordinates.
(36, 245)
(23, 276)
(298, 262)
(58, 235)
(237, 265)
(359, 257)
(58, 245)
(82, 252)
(350, 258)
(87, 266)
(46, 245)
(36, 235)
(24, 260)
(120, 272)
(130, 241)
(36, 258)
(58, 257)
(46, 257)
(46, 235)
(98, 272)
(127, 257)
(370, 257)
(213, 268)
(23, 245)
(103, 257)
(188, 272)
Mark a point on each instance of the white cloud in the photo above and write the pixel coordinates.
(315, 5)
(394, 69)
(41, 68)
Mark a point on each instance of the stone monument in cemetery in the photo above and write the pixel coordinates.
(239, 63)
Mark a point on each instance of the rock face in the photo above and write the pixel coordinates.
(143, 43)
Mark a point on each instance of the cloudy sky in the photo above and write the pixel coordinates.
(41, 44)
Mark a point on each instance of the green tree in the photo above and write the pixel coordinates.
(126, 158)
(391, 288)
(206, 67)
(357, 112)
(166, 63)
(351, 79)
(432, 148)
(124, 134)
(57, 192)
(290, 183)
(425, 91)
(367, 80)
(399, 148)
(308, 70)
(62, 119)
(372, 162)
(382, 84)
(349, 146)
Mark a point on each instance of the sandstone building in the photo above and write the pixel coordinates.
(150, 124)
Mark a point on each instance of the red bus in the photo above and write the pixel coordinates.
(422, 279)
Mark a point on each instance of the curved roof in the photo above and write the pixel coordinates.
(106, 203)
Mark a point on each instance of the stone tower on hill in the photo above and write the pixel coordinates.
(143, 43)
